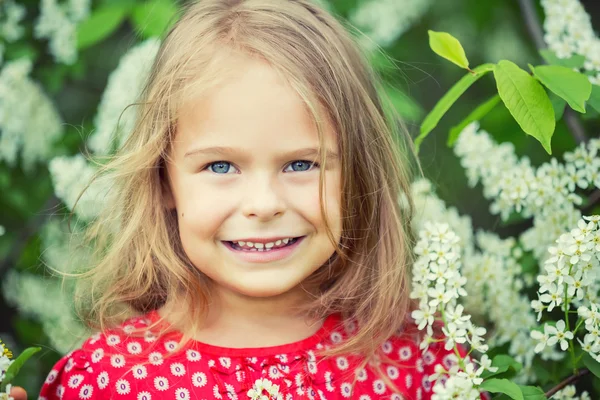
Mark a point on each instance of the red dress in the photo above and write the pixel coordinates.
(115, 365)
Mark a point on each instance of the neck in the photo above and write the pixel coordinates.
(238, 321)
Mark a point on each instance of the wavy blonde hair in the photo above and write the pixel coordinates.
(140, 264)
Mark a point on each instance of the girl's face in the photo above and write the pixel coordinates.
(257, 182)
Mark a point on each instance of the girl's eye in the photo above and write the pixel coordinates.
(223, 167)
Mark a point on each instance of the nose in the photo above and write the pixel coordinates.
(263, 198)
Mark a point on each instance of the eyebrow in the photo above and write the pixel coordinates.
(230, 151)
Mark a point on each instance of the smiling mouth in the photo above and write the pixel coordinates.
(254, 249)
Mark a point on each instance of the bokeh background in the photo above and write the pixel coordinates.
(33, 308)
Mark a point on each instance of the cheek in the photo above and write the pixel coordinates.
(199, 214)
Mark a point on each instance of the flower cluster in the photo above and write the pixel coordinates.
(547, 193)
(264, 389)
(385, 20)
(438, 284)
(570, 280)
(569, 31)
(5, 360)
(494, 276)
(114, 120)
(47, 301)
(29, 122)
(70, 176)
(58, 23)
(11, 30)
(569, 393)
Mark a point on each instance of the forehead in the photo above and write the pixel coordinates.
(254, 108)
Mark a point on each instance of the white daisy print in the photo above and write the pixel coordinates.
(199, 379)
(225, 361)
(361, 375)
(94, 338)
(161, 383)
(328, 381)
(264, 385)
(139, 371)
(51, 376)
(155, 358)
(396, 397)
(346, 389)
(122, 386)
(113, 340)
(86, 392)
(387, 347)
(170, 345)
(405, 353)
(117, 361)
(103, 380)
(364, 397)
(274, 373)
(182, 394)
(149, 337)
(342, 363)
(60, 391)
(97, 355)
(192, 355)
(393, 372)
(128, 328)
(134, 348)
(69, 365)
(409, 381)
(75, 381)
(336, 337)
(217, 393)
(144, 396)
(378, 386)
(177, 369)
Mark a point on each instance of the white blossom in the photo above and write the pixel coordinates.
(384, 21)
(70, 176)
(122, 90)
(58, 23)
(29, 122)
(11, 15)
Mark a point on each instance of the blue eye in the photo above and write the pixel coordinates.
(222, 167)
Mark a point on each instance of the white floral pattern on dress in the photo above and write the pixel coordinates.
(128, 363)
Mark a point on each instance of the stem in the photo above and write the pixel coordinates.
(575, 377)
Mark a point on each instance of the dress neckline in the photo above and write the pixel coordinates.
(308, 343)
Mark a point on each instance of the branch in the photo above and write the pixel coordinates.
(534, 27)
(30, 229)
(581, 373)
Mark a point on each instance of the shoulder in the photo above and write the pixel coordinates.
(92, 370)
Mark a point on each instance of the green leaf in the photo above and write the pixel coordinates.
(504, 363)
(502, 386)
(14, 368)
(558, 105)
(101, 24)
(532, 393)
(527, 102)
(444, 104)
(594, 99)
(591, 364)
(154, 17)
(476, 115)
(572, 86)
(447, 46)
(575, 61)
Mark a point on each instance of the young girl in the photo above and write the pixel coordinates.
(254, 246)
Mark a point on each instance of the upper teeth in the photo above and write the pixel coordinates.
(263, 245)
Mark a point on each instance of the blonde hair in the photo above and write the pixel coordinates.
(140, 263)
